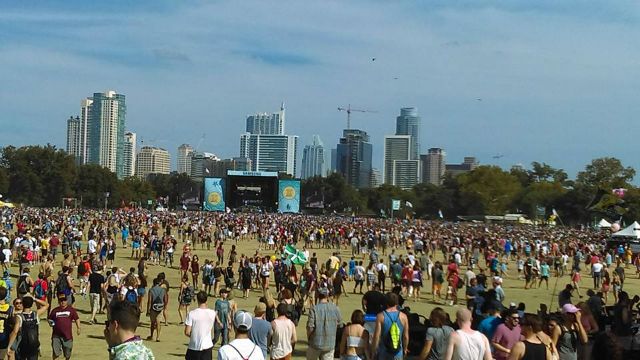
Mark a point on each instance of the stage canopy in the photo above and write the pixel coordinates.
(604, 224)
(631, 231)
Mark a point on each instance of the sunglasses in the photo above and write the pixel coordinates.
(17, 303)
(515, 318)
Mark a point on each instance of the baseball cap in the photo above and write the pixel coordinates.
(242, 320)
(569, 309)
(260, 309)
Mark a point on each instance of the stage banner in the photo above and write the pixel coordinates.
(289, 196)
(213, 194)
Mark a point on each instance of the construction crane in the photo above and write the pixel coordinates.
(348, 109)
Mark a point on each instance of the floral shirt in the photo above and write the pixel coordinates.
(132, 350)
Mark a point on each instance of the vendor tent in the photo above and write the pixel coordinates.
(604, 224)
(631, 231)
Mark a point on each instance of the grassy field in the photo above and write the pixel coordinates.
(173, 342)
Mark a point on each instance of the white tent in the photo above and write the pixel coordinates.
(632, 231)
(604, 224)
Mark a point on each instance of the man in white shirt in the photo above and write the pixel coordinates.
(92, 245)
(198, 326)
(242, 348)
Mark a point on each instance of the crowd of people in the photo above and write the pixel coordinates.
(74, 252)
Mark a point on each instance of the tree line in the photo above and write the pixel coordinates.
(43, 176)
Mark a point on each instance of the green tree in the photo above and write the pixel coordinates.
(93, 182)
(487, 190)
(605, 173)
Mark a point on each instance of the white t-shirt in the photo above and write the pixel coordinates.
(244, 346)
(597, 267)
(7, 255)
(92, 245)
(201, 322)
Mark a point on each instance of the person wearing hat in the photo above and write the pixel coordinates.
(242, 348)
(324, 319)
(261, 330)
(62, 319)
(568, 329)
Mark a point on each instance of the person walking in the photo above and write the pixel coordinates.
(284, 335)
(506, 335)
(466, 343)
(354, 344)
(223, 309)
(437, 338)
(198, 327)
(156, 302)
(96, 287)
(391, 335)
(120, 333)
(62, 318)
(531, 346)
(324, 319)
(261, 330)
(242, 348)
(6, 319)
(27, 327)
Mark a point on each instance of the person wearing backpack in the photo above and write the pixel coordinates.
(41, 287)
(185, 297)
(25, 282)
(27, 327)
(391, 336)
(61, 319)
(64, 283)
(242, 348)
(156, 302)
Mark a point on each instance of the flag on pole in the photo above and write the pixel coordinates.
(440, 214)
(294, 255)
(409, 204)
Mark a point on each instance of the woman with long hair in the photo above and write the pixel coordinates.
(184, 298)
(438, 334)
(195, 270)
(531, 346)
(416, 282)
(590, 327)
(354, 344)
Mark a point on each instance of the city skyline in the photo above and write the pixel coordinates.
(559, 69)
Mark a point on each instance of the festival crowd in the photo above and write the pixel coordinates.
(59, 255)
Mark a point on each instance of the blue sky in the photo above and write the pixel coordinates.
(558, 81)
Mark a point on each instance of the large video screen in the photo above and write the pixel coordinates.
(252, 193)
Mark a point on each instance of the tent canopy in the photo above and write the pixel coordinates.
(632, 231)
(604, 224)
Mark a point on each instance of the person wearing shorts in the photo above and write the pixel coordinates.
(62, 319)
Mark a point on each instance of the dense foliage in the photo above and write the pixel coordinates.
(44, 175)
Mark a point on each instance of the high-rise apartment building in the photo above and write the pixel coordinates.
(408, 123)
(267, 146)
(129, 154)
(106, 127)
(313, 159)
(399, 168)
(354, 157)
(152, 160)
(469, 164)
(202, 164)
(433, 166)
(266, 123)
(85, 114)
(270, 152)
(185, 151)
(74, 146)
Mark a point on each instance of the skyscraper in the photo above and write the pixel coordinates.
(353, 158)
(129, 154)
(266, 144)
(313, 159)
(105, 135)
(270, 152)
(267, 123)
(408, 123)
(74, 147)
(85, 113)
(152, 160)
(184, 159)
(202, 164)
(398, 167)
(433, 166)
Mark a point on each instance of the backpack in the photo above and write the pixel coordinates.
(38, 289)
(62, 285)
(157, 303)
(131, 296)
(30, 342)
(187, 294)
(217, 272)
(392, 339)
(23, 286)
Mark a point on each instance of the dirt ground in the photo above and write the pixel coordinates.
(173, 342)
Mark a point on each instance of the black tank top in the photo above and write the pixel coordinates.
(534, 351)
